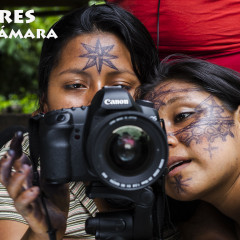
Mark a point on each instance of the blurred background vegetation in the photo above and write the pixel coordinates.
(19, 61)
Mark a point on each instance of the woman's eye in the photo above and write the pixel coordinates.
(182, 117)
(75, 86)
(127, 87)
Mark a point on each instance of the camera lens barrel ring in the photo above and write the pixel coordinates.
(150, 168)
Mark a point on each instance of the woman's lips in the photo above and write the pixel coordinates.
(176, 164)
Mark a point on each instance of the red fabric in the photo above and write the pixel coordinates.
(208, 29)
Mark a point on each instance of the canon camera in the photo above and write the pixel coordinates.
(115, 140)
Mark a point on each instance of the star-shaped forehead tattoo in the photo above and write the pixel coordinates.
(98, 56)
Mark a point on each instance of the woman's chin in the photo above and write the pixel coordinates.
(185, 195)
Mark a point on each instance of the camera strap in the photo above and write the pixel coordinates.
(34, 157)
(33, 148)
(159, 208)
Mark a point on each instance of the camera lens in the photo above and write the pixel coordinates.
(128, 148)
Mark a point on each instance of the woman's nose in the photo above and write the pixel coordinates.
(93, 90)
(172, 140)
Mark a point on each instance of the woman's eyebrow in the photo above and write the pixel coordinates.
(80, 71)
(74, 71)
(121, 71)
(177, 98)
(182, 94)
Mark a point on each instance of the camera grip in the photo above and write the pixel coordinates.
(55, 152)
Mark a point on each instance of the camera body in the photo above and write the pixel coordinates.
(115, 140)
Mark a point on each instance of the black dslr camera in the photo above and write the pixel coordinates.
(114, 140)
(119, 146)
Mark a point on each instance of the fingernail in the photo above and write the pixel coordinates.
(19, 134)
(25, 167)
(11, 153)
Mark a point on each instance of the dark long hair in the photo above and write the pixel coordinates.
(222, 82)
(105, 18)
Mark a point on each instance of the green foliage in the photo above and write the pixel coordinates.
(19, 57)
(27, 104)
(91, 2)
(19, 61)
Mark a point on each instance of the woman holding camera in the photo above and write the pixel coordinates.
(96, 46)
(200, 104)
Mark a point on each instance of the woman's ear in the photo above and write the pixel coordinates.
(45, 108)
(43, 104)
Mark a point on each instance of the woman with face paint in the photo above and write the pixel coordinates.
(200, 104)
(96, 46)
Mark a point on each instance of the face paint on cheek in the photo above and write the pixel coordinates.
(98, 56)
(210, 122)
(180, 184)
(210, 150)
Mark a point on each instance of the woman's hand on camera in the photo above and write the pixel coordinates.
(26, 197)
